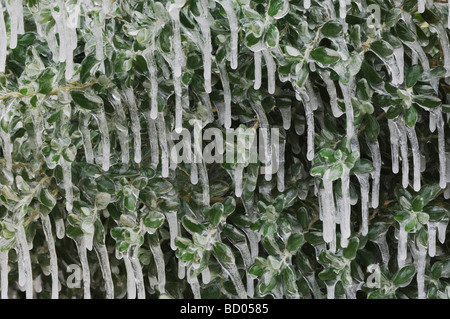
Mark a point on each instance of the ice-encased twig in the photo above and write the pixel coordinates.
(4, 274)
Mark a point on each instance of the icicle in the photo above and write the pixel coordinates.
(330, 288)
(346, 92)
(448, 21)
(309, 123)
(280, 171)
(411, 132)
(60, 228)
(257, 56)
(238, 172)
(441, 149)
(346, 212)
(153, 138)
(331, 89)
(194, 173)
(195, 286)
(7, 148)
(4, 274)
(328, 209)
(364, 184)
(307, 4)
(23, 258)
(271, 68)
(160, 265)
(432, 123)
(172, 220)
(203, 172)
(47, 227)
(376, 160)
(384, 248)
(442, 230)
(402, 245)
(181, 269)
(174, 13)
(226, 94)
(102, 255)
(394, 138)
(342, 9)
(121, 128)
(206, 275)
(286, 116)
(234, 29)
(153, 82)
(403, 142)
(421, 6)
(12, 11)
(86, 135)
(420, 257)
(98, 36)
(135, 123)
(131, 280)
(432, 238)
(137, 268)
(161, 127)
(207, 47)
(3, 41)
(67, 182)
(81, 246)
(399, 55)
(178, 107)
(104, 133)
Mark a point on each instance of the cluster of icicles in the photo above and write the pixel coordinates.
(333, 210)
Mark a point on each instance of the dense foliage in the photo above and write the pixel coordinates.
(93, 205)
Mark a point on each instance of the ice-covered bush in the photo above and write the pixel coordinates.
(100, 99)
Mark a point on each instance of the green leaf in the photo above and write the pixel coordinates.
(417, 204)
(382, 48)
(350, 251)
(45, 81)
(192, 225)
(46, 198)
(362, 166)
(89, 102)
(410, 116)
(223, 252)
(394, 111)
(294, 242)
(427, 101)
(332, 29)
(325, 56)
(334, 172)
(372, 127)
(328, 274)
(154, 219)
(412, 75)
(404, 276)
(86, 67)
(272, 36)
(277, 8)
(214, 213)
